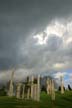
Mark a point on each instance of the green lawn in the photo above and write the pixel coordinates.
(62, 101)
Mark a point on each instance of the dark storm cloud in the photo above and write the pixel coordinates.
(54, 42)
(18, 20)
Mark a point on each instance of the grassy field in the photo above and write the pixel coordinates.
(62, 101)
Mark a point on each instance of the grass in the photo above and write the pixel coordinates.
(62, 101)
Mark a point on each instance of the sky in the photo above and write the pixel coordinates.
(35, 37)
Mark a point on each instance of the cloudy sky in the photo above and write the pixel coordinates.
(35, 36)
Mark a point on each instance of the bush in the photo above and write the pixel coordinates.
(2, 91)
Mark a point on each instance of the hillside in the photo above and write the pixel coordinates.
(62, 101)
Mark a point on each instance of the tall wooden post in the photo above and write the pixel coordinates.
(10, 92)
(18, 90)
(38, 84)
(53, 91)
(23, 92)
(32, 87)
(62, 85)
(28, 93)
(48, 86)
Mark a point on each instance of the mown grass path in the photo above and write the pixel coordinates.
(62, 101)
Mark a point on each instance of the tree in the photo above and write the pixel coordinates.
(69, 87)
(2, 91)
(43, 88)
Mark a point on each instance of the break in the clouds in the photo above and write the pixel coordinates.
(36, 35)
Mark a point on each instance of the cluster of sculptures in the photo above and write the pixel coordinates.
(32, 89)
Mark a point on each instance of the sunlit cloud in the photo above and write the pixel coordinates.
(41, 38)
(59, 74)
(69, 40)
(58, 65)
(56, 28)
